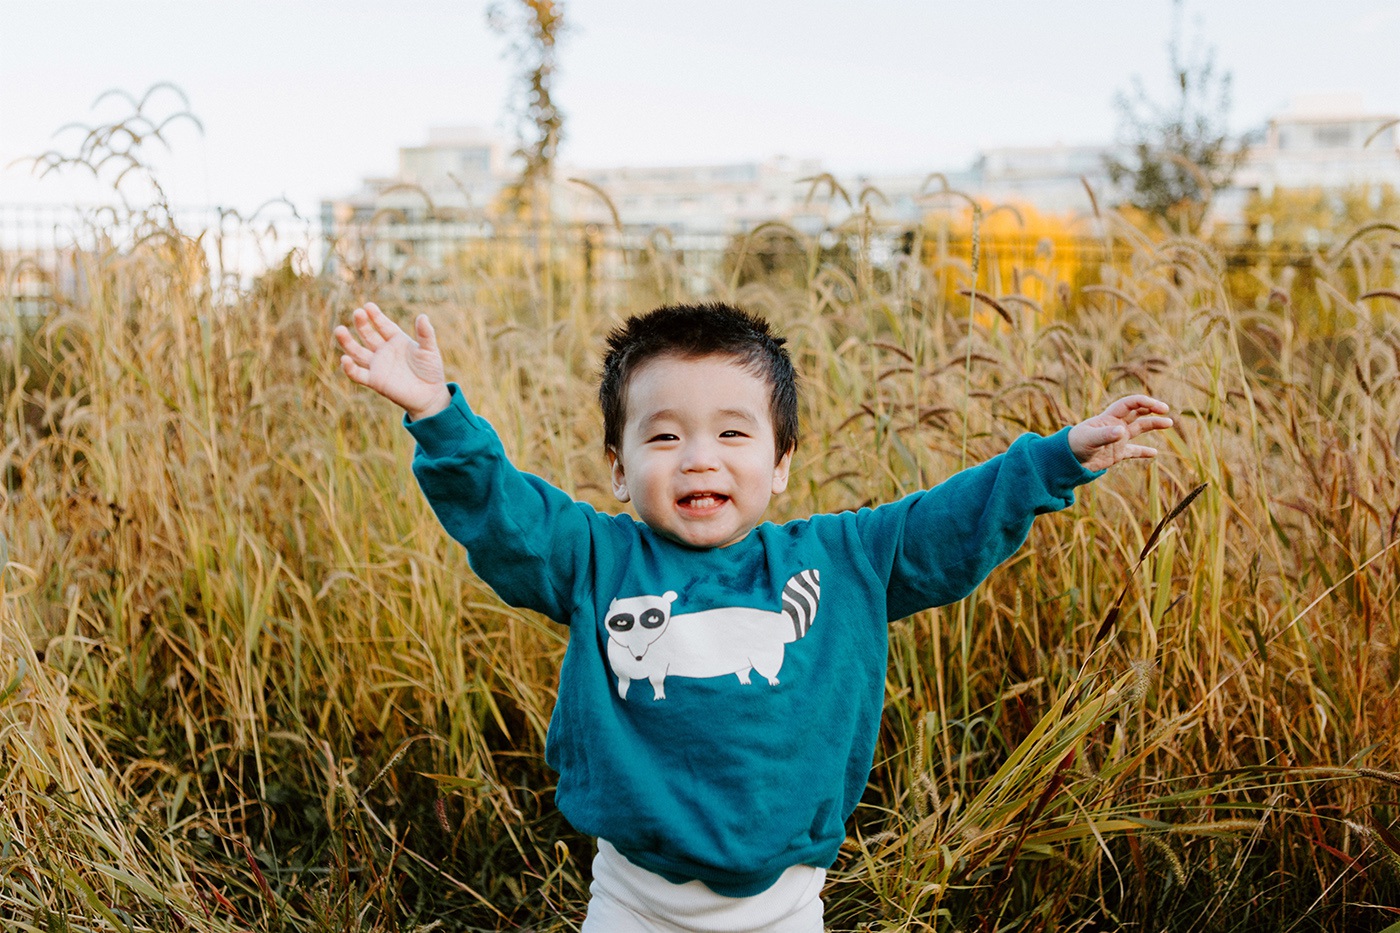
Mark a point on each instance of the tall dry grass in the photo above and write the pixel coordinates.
(246, 681)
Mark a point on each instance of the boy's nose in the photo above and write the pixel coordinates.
(699, 458)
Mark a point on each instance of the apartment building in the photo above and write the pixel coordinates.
(443, 190)
(1325, 142)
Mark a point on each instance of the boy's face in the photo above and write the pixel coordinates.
(698, 459)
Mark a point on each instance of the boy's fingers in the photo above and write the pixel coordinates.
(1149, 423)
(359, 354)
(386, 328)
(426, 337)
(357, 374)
(364, 325)
(1131, 406)
(1138, 452)
(1107, 435)
(375, 327)
(353, 348)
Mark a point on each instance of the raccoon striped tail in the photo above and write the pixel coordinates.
(800, 598)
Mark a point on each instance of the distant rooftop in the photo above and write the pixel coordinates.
(1326, 106)
(461, 136)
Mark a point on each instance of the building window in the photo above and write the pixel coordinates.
(1332, 137)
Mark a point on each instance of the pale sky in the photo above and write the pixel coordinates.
(303, 98)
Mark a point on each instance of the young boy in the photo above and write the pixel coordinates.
(718, 797)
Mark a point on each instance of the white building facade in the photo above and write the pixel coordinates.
(444, 189)
(1325, 142)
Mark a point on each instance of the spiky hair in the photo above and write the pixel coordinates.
(691, 331)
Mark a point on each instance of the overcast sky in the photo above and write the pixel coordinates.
(303, 98)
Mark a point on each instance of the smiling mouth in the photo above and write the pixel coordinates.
(702, 501)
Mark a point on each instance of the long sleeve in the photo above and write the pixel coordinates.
(938, 544)
(528, 540)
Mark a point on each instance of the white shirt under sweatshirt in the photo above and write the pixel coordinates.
(629, 899)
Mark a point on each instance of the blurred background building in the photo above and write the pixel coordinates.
(1326, 141)
(1326, 144)
(448, 193)
(456, 177)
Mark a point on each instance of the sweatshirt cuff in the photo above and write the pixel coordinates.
(443, 432)
(1059, 467)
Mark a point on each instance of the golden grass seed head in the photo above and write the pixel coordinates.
(1144, 677)
(1173, 860)
(1377, 775)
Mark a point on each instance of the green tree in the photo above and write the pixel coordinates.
(534, 28)
(1178, 154)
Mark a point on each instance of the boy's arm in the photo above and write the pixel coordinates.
(527, 539)
(937, 545)
(523, 537)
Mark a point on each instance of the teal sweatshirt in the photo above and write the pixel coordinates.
(718, 708)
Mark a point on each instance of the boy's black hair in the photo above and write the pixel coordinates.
(694, 331)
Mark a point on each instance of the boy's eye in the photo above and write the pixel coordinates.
(663, 437)
(732, 434)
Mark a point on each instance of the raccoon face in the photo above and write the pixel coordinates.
(634, 623)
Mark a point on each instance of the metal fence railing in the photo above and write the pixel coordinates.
(42, 248)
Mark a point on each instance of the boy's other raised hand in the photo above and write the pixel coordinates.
(1101, 441)
(407, 372)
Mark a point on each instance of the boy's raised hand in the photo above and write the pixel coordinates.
(407, 372)
(1101, 441)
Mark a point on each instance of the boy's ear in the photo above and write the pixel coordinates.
(780, 472)
(619, 480)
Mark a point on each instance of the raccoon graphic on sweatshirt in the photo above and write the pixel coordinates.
(718, 708)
